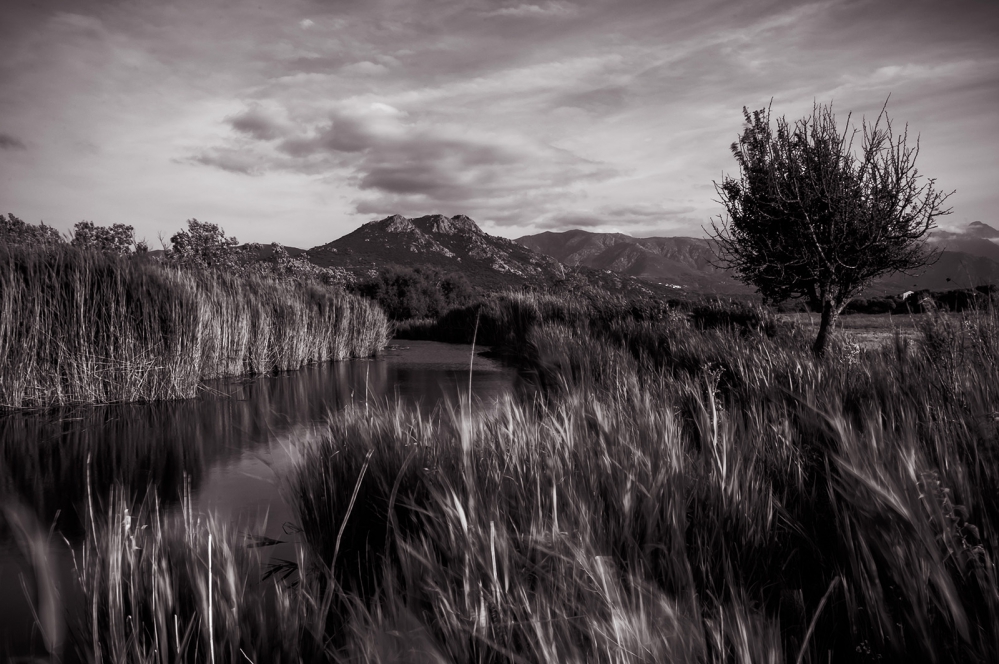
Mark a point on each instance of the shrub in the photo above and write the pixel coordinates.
(14, 231)
(118, 239)
(406, 293)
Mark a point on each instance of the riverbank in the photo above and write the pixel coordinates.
(83, 327)
(693, 487)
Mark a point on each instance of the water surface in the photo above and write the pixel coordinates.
(227, 450)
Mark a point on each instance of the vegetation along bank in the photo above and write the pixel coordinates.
(82, 325)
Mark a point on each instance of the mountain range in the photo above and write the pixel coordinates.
(966, 260)
(457, 244)
(665, 266)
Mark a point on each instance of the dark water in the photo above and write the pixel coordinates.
(227, 449)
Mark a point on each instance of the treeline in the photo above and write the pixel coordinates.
(99, 320)
(504, 320)
(914, 302)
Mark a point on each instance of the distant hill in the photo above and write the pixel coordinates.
(457, 244)
(978, 239)
(968, 260)
(449, 243)
(677, 261)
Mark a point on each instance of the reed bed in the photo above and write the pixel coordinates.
(681, 495)
(82, 327)
(181, 587)
(690, 488)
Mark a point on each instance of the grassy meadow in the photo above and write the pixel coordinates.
(80, 326)
(690, 487)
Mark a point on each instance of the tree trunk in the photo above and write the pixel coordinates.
(830, 312)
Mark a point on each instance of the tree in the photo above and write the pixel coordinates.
(204, 245)
(14, 231)
(422, 292)
(811, 217)
(118, 239)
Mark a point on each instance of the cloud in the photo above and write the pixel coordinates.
(256, 123)
(530, 11)
(604, 114)
(396, 162)
(365, 68)
(620, 216)
(8, 142)
(231, 160)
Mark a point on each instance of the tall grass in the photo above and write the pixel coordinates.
(684, 491)
(684, 494)
(82, 327)
(180, 587)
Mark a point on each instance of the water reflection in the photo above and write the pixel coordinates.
(224, 447)
(46, 458)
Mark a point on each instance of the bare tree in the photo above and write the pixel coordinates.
(810, 217)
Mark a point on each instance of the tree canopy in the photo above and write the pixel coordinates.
(204, 245)
(14, 231)
(812, 216)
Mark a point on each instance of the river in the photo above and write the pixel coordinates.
(226, 450)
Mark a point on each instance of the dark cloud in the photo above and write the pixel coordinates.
(256, 123)
(233, 161)
(8, 142)
(397, 163)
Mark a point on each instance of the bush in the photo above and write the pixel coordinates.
(406, 293)
(203, 246)
(118, 239)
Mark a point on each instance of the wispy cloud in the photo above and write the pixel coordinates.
(626, 218)
(535, 11)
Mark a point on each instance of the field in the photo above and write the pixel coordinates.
(867, 330)
(690, 487)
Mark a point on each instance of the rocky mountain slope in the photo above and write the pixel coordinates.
(682, 262)
(457, 244)
(450, 243)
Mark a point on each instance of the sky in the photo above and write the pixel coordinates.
(298, 120)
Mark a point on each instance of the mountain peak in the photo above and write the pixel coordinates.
(438, 223)
(394, 224)
(983, 230)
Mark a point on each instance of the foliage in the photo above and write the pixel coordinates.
(809, 216)
(274, 261)
(175, 587)
(203, 246)
(86, 327)
(117, 239)
(14, 231)
(422, 292)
